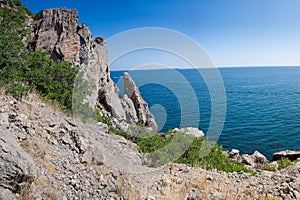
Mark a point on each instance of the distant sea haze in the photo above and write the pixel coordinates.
(263, 105)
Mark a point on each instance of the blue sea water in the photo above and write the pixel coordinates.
(263, 104)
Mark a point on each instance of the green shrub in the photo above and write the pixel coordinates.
(140, 124)
(12, 50)
(285, 162)
(103, 118)
(21, 70)
(215, 159)
(118, 131)
(17, 90)
(52, 80)
(101, 97)
(151, 144)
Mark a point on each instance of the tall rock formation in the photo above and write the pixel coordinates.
(141, 106)
(58, 34)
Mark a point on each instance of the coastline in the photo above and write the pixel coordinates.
(109, 148)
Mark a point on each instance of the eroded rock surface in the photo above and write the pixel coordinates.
(141, 107)
(58, 34)
(176, 181)
(66, 159)
(291, 155)
(47, 155)
(17, 168)
(55, 33)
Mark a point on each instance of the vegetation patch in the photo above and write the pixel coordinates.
(285, 162)
(22, 70)
(193, 155)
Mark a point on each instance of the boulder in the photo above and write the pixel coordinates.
(192, 131)
(142, 111)
(291, 155)
(234, 153)
(17, 168)
(259, 158)
(256, 160)
(248, 160)
(273, 165)
(292, 171)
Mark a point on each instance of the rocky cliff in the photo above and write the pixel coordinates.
(57, 33)
(45, 154)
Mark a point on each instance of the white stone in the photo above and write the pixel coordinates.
(193, 131)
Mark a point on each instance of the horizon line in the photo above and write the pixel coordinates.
(218, 67)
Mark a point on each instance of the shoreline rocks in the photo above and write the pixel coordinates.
(291, 155)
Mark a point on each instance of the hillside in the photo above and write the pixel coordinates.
(46, 154)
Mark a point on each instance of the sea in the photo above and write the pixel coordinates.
(262, 104)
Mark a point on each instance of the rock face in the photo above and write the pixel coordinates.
(58, 34)
(47, 155)
(141, 107)
(17, 169)
(291, 155)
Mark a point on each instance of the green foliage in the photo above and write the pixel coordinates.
(17, 90)
(101, 97)
(12, 31)
(122, 133)
(285, 162)
(103, 118)
(140, 124)
(83, 110)
(52, 80)
(21, 70)
(17, 5)
(37, 16)
(153, 143)
(80, 107)
(215, 159)
(176, 146)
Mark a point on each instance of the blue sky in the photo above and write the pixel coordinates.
(233, 32)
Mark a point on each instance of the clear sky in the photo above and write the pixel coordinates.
(233, 32)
